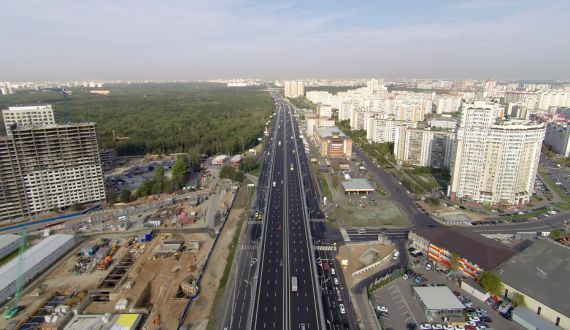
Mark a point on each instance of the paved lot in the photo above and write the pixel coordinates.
(403, 308)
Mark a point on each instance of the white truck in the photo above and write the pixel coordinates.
(294, 286)
(274, 184)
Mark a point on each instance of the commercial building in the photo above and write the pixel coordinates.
(8, 244)
(495, 160)
(126, 321)
(36, 260)
(357, 186)
(294, 88)
(424, 147)
(29, 116)
(438, 301)
(220, 160)
(475, 253)
(558, 138)
(540, 274)
(333, 143)
(473, 288)
(49, 167)
(315, 122)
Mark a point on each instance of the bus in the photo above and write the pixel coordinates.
(294, 286)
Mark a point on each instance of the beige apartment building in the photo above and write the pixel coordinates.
(495, 160)
(424, 147)
(48, 167)
(294, 88)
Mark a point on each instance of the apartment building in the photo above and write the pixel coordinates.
(495, 160)
(447, 104)
(424, 147)
(47, 167)
(319, 97)
(333, 143)
(294, 88)
(381, 130)
(30, 116)
(553, 99)
(443, 122)
(324, 111)
(558, 138)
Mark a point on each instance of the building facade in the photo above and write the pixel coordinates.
(558, 138)
(424, 147)
(333, 143)
(29, 116)
(49, 167)
(294, 88)
(495, 160)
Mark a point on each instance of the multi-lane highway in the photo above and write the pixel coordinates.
(287, 296)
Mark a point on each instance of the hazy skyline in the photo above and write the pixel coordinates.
(105, 40)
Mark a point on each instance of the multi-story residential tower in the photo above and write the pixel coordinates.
(558, 138)
(424, 147)
(47, 167)
(29, 116)
(294, 88)
(495, 160)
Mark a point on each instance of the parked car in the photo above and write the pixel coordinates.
(342, 309)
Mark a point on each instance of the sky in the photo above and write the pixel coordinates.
(267, 39)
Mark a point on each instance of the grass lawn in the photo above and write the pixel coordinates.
(545, 176)
(325, 186)
(386, 213)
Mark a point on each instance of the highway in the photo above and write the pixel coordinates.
(286, 247)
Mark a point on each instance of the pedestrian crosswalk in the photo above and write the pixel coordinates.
(325, 248)
(248, 247)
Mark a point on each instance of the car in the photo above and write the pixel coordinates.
(429, 266)
(425, 326)
(411, 326)
(437, 326)
(468, 304)
(480, 310)
(455, 293)
(486, 319)
(335, 281)
(471, 324)
(474, 319)
(489, 302)
(448, 327)
(405, 276)
(381, 309)
(458, 327)
(342, 309)
(480, 327)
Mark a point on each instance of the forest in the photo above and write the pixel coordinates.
(196, 118)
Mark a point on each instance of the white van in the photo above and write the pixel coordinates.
(396, 255)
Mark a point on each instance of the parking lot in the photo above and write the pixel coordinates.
(397, 297)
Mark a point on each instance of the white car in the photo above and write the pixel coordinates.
(458, 327)
(333, 271)
(342, 309)
(480, 327)
(381, 309)
(437, 326)
(448, 327)
(335, 281)
(474, 319)
(471, 323)
(425, 326)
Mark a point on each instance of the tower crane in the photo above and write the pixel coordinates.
(13, 308)
(118, 137)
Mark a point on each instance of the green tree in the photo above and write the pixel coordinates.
(248, 164)
(111, 198)
(556, 234)
(180, 171)
(518, 299)
(454, 261)
(490, 282)
(125, 196)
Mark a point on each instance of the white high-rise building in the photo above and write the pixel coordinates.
(447, 103)
(554, 99)
(424, 147)
(28, 116)
(324, 111)
(294, 88)
(317, 97)
(495, 160)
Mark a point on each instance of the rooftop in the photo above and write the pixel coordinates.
(357, 185)
(541, 271)
(326, 131)
(534, 319)
(438, 298)
(40, 251)
(104, 322)
(487, 253)
(8, 239)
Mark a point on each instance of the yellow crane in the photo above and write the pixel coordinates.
(118, 137)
